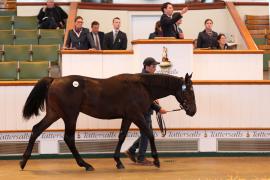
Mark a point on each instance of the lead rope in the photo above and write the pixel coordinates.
(161, 122)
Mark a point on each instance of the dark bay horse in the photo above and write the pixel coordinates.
(126, 96)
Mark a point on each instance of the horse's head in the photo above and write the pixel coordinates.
(185, 96)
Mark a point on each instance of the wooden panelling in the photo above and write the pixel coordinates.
(17, 83)
(261, 31)
(258, 36)
(257, 27)
(264, 47)
(196, 82)
(258, 22)
(253, 17)
(241, 26)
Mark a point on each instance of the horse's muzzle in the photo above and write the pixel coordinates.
(191, 111)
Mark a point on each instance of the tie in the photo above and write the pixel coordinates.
(115, 35)
(97, 41)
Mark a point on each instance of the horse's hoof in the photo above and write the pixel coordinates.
(89, 168)
(120, 166)
(22, 164)
(157, 163)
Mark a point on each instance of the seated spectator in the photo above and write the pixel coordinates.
(79, 37)
(116, 39)
(178, 31)
(222, 42)
(158, 31)
(207, 38)
(97, 35)
(52, 16)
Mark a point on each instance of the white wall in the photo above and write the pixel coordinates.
(228, 66)
(218, 106)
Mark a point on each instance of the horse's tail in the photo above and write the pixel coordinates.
(36, 98)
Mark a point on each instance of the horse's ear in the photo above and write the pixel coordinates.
(190, 75)
(187, 76)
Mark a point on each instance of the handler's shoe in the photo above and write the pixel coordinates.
(145, 162)
(130, 155)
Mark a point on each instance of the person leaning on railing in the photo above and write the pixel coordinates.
(222, 42)
(79, 37)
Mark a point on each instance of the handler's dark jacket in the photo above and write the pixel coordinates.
(154, 105)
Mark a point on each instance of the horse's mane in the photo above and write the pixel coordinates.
(162, 80)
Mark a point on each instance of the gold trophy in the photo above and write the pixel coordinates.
(165, 60)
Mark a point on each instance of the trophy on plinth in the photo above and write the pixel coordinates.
(165, 60)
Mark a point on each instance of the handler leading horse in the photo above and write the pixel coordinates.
(126, 96)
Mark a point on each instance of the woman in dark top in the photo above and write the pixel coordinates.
(158, 31)
(222, 42)
(79, 37)
(207, 38)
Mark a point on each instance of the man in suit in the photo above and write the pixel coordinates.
(79, 37)
(116, 39)
(97, 35)
(168, 19)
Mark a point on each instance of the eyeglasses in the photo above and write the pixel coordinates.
(80, 22)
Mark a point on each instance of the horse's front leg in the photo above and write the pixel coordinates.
(122, 135)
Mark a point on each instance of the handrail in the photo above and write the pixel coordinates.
(198, 51)
(250, 3)
(96, 51)
(155, 129)
(162, 41)
(195, 82)
(41, 3)
(241, 26)
(71, 17)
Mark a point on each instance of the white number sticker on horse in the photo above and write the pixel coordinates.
(75, 83)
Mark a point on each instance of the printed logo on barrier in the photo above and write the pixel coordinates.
(166, 65)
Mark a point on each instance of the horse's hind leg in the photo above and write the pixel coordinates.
(36, 131)
(122, 135)
(69, 137)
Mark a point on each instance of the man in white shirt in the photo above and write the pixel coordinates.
(116, 39)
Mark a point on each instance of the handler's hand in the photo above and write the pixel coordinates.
(162, 111)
